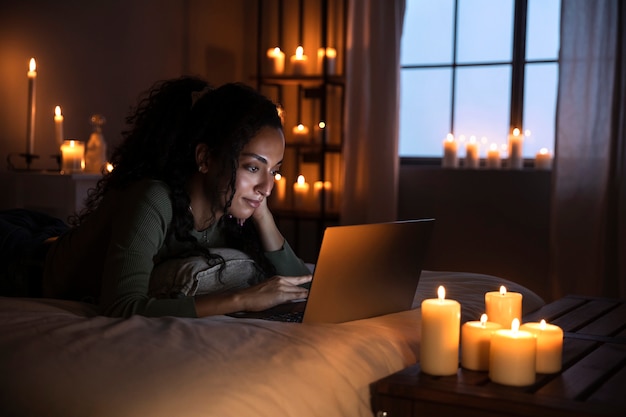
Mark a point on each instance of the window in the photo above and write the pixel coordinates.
(478, 68)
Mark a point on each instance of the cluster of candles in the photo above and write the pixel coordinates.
(305, 197)
(512, 353)
(299, 62)
(493, 160)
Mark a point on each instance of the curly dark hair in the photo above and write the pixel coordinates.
(171, 119)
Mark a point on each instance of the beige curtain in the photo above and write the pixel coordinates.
(372, 117)
(588, 236)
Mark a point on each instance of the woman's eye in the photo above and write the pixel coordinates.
(252, 168)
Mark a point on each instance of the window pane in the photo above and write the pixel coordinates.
(482, 104)
(543, 22)
(485, 30)
(427, 32)
(424, 111)
(540, 93)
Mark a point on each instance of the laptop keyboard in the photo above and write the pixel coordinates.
(289, 316)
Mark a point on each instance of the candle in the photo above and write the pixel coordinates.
(512, 356)
(543, 159)
(439, 349)
(301, 192)
(58, 126)
(472, 160)
(450, 159)
(281, 188)
(300, 132)
(299, 62)
(331, 58)
(502, 307)
(327, 186)
(30, 125)
(73, 156)
(549, 346)
(516, 160)
(475, 341)
(276, 59)
(493, 156)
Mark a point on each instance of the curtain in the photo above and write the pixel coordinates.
(588, 224)
(371, 162)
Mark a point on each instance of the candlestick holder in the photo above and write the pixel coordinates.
(28, 157)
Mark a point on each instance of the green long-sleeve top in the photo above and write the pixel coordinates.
(109, 258)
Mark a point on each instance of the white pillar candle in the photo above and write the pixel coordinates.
(301, 190)
(543, 159)
(512, 356)
(450, 157)
(475, 341)
(516, 158)
(472, 159)
(280, 184)
(299, 62)
(549, 346)
(502, 306)
(58, 126)
(439, 348)
(331, 60)
(73, 156)
(30, 125)
(493, 157)
(276, 61)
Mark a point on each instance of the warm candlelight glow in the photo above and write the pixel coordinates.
(502, 290)
(276, 59)
(58, 125)
(301, 180)
(515, 325)
(299, 62)
(503, 306)
(32, 106)
(299, 52)
(483, 319)
(321, 124)
(32, 65)
(516, 132)
(441, 292)
(439, 351)
(542, 324)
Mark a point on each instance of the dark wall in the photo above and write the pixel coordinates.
(494, 222)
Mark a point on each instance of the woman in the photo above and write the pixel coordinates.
(192, 174)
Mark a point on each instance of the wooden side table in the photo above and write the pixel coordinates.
(592, 381)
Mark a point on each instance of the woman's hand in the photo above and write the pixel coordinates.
(274, 291)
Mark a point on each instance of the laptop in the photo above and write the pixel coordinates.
(362, 271)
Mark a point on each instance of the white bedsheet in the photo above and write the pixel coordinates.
(58, 359)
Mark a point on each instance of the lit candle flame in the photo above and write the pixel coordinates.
(277, 177)
(441, 293)
(301, 179)
(542, 324)
(515, 325)
(299, 52)
(32, 65)
(57, 111)
(483, 320)
(543, 151)
(450, 137)
(321, 124)
(516, 132)
(502, 290)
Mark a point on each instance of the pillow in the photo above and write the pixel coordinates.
(195, 275)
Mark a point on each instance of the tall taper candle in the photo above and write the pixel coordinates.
(58, 126)
(30, 126)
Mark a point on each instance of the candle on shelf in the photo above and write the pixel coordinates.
(549, 346)
(300, 132)
(493, 156)
(439, 349)
(299, 62)
(472, 159)
(502, 306)
(58, 126)
(331, 59)
(73, 156)
(276, 60)
(301, 192)
(512, 356)
(516, 159)
(30, 125)
(280, 183)
(543, 159)
(450, 158)
(475, 341)
(327, 186)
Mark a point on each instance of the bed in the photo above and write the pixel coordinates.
(58, 358)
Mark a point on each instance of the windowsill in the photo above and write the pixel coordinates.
(529, 165)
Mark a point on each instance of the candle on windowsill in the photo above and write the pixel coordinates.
(439, 349)
(503, 306)
(299, 62)
(475, 342)
(300, 132)
(450, 158)
(72, 156)
(280, 184)
(493, 157)
(331, 60)
(512, 356)
(327, 186)
(276, 60)
(58, 126)
(301, 190)
(30, 125)
(543, 159)
(549, 346)
(516, 158)
(472, 159)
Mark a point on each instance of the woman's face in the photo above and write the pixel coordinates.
(259, 161)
